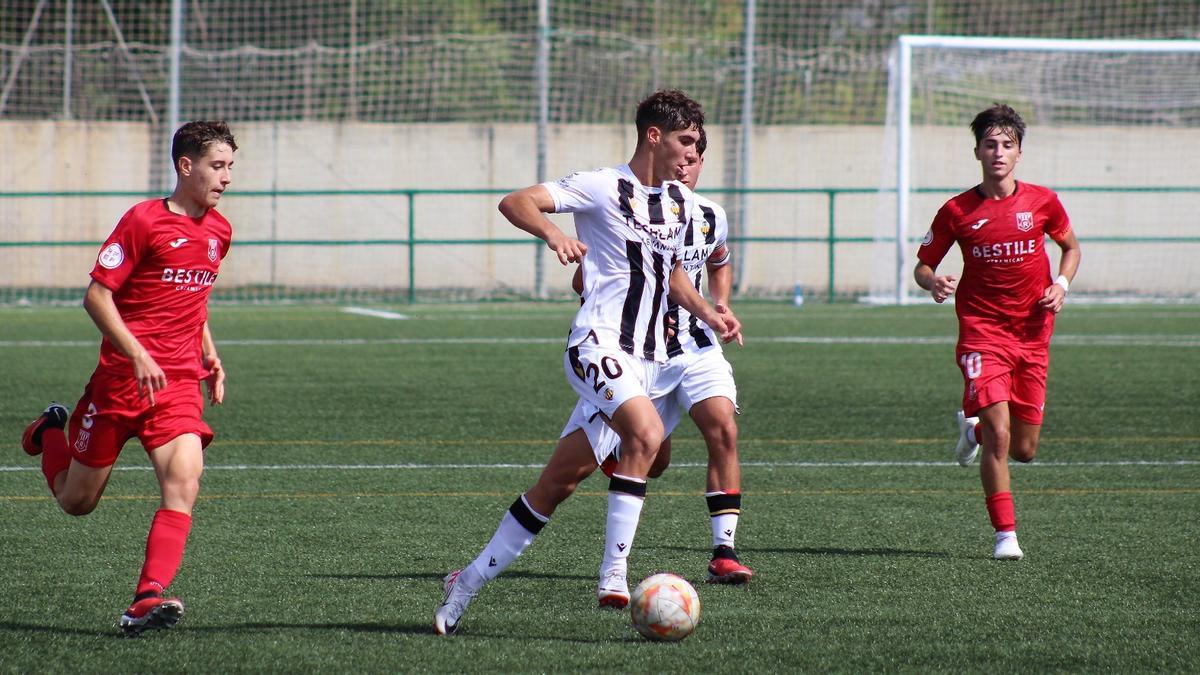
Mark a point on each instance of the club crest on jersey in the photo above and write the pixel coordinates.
(675, 208)
(705, 229)
(608, 394)
(1025, 221)
(214, 250)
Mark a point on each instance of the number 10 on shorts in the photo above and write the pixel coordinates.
(972, 364)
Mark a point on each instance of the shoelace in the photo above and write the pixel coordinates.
(614, 574)
(464, 595)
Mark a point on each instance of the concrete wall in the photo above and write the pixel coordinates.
(62, 156)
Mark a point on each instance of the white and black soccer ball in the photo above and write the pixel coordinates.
(664, 607)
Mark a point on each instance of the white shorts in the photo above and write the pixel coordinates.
(607, 378)
(602, 438)
(702, 376)
(680, 383)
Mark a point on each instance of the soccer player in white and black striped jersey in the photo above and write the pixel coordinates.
(630, 221)
(697, 378)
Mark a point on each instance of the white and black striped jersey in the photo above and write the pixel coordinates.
(707, 232)
(634, 236)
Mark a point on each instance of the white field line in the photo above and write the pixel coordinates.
(687, 465)
(377, 313)
(1059, 340)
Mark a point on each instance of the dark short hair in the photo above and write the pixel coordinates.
(999, 116)
(702, 143)
(193, 139)
(669, 110)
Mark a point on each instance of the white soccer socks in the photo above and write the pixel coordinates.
(515, 533)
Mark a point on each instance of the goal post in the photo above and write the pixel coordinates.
(1065, 89)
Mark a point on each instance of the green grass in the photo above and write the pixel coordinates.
(299, 563)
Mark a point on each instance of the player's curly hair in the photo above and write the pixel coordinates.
(1000, 116)
(193, 138)
(669, 110)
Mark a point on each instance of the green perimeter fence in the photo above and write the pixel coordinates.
(412, 243)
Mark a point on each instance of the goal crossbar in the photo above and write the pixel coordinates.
(900, 70)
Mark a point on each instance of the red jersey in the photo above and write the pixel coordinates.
(160, 267)
(1005, 265)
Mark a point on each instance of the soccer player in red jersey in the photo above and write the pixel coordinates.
(149, 298)
(1006, 302)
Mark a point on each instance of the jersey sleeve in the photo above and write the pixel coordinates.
(720, 255)
(121, 252)
(938, 239)
(1057, 223)
(576, 192)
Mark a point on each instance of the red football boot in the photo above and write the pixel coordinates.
(55, 416)
(725, 568)
(151, 613)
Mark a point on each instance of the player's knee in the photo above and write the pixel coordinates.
(1024, 451)
(721, 437)
(78, 505)
(644, 440)
(998, 439)
(185, 490)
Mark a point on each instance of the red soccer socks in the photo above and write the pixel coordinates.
(1000, 510)
(164, 550)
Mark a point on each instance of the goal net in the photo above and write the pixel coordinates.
(1113, 127)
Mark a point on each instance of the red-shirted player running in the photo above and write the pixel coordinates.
(1006, 303)
(149, 298)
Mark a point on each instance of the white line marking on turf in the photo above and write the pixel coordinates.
(689, 465)
(377, 313)
(1062, 340)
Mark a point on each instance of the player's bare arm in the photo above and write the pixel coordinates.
(1056, 293)
(577, 281)
(215, 380)
(720, 278)
(526, 208)
(98, 301)
(683, 294)
(940, 287)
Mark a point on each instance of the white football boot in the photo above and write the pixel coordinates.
(965, 451)
(461, 587)
(614, 589)
(1006, 547)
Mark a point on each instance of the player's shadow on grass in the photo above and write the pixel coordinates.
(13, 627)
(437, 576)
(851, 552)
(113, 632)
(423, 628)
(855, 552)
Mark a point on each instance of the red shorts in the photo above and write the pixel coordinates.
(110, 412)
(1005, 371)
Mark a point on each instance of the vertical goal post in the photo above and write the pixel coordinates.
(901, 75)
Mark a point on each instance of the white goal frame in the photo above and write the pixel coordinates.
(900, 72)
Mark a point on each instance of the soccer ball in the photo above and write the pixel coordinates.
(665, 607)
